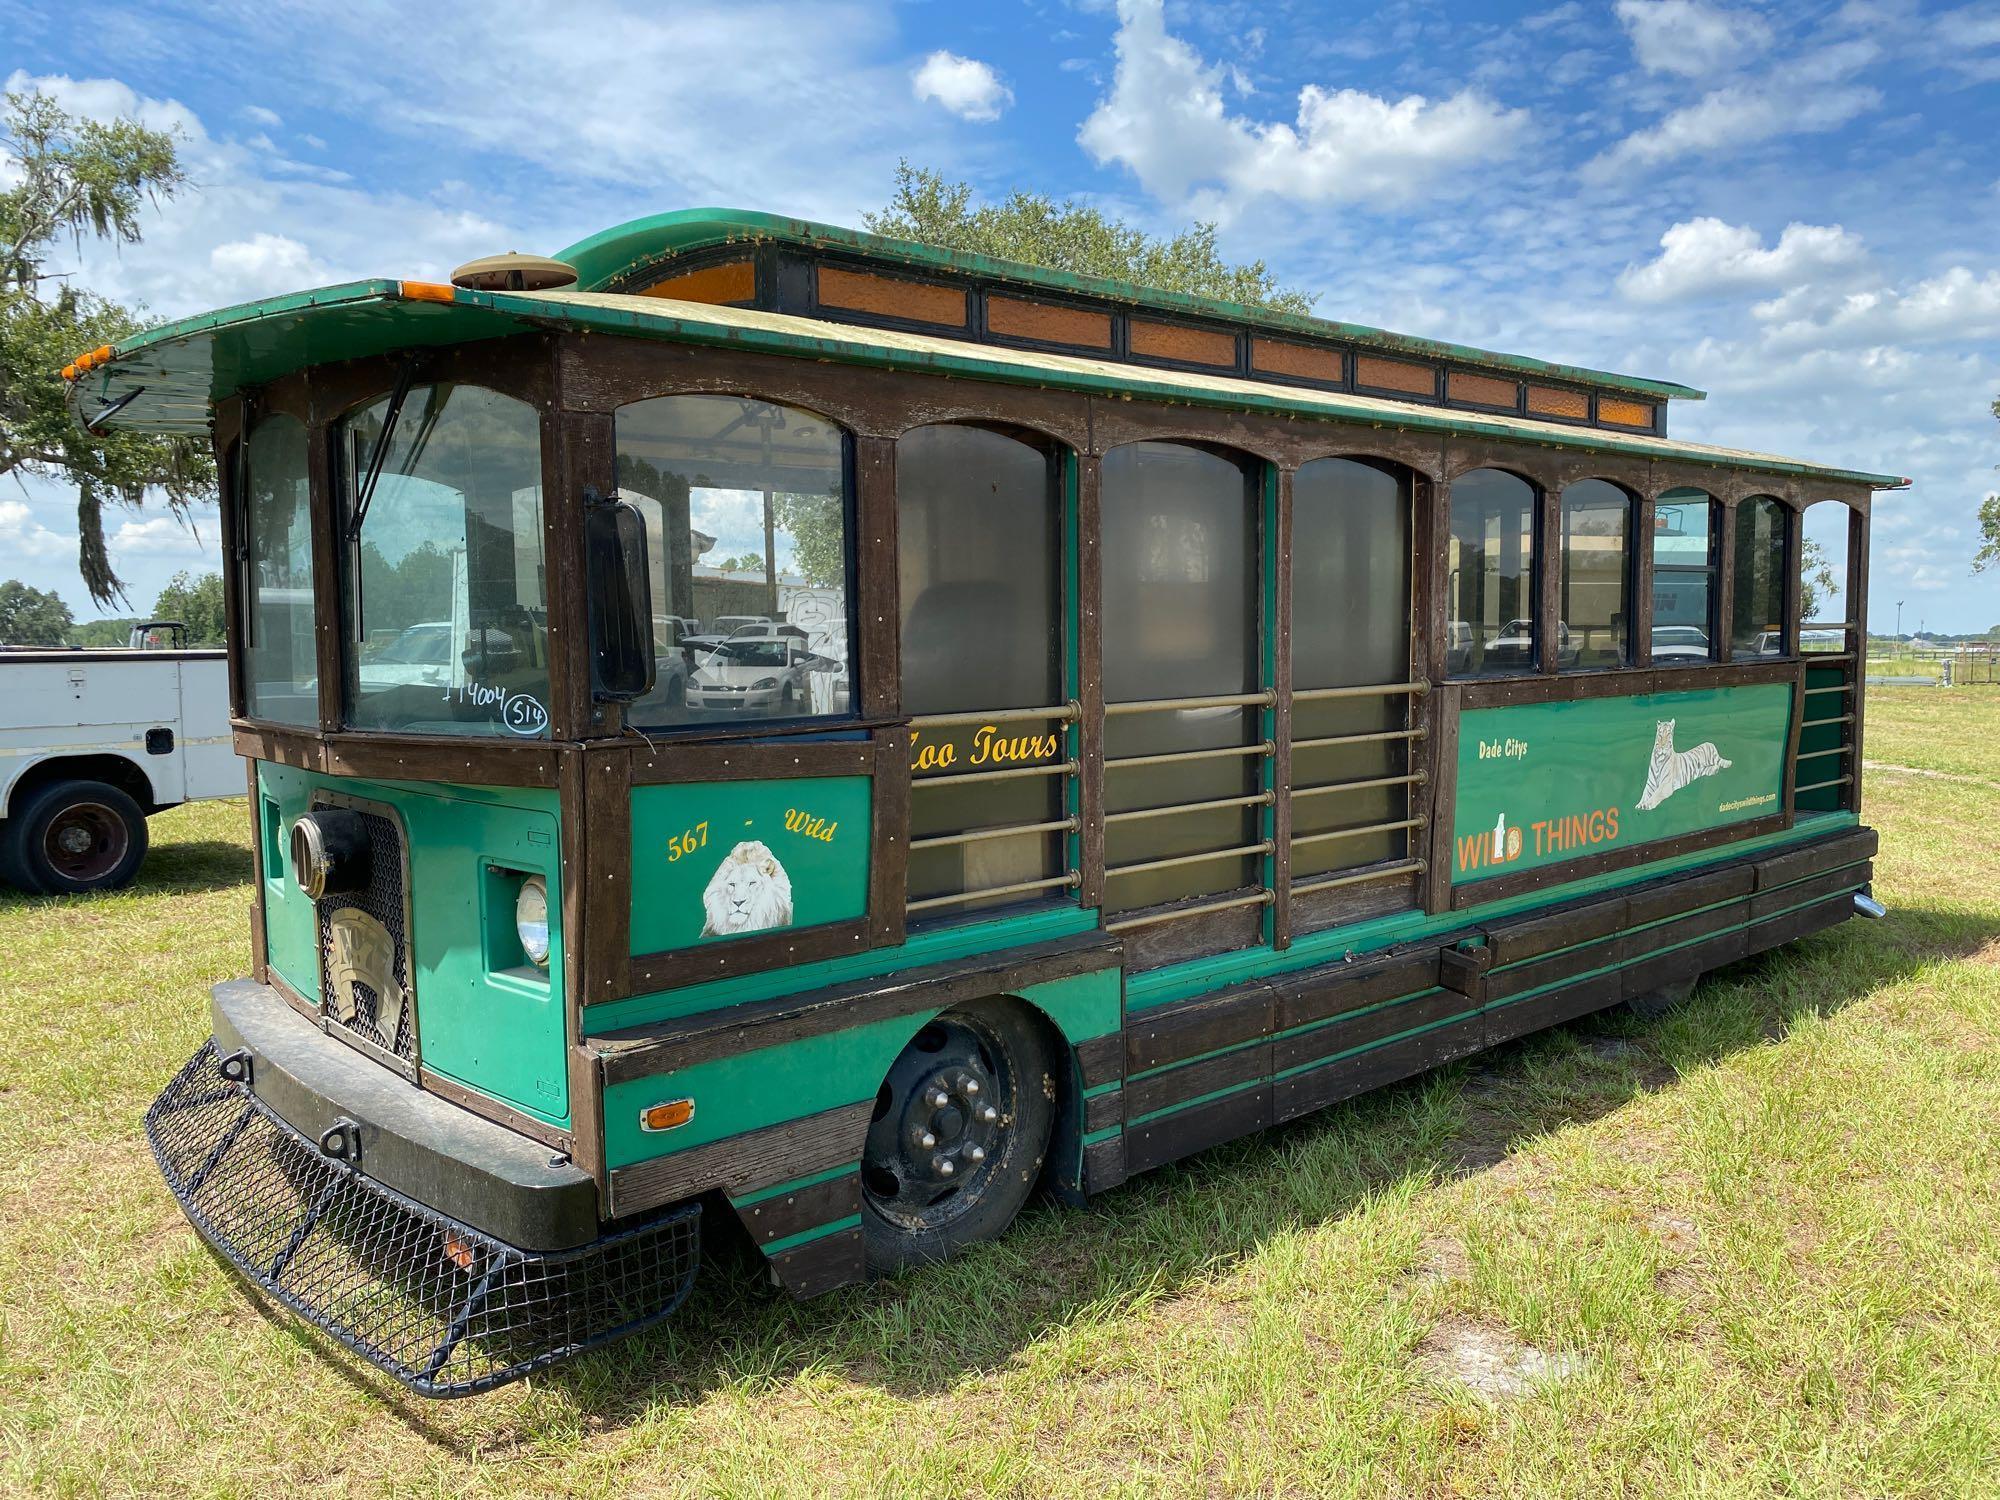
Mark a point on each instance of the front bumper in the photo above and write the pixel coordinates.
(447, 1308)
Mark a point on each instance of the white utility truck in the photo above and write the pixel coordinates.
(92, 742)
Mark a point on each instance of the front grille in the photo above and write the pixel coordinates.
(445, 1308)
(384, 900)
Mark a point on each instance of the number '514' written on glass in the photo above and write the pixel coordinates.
(989, 748)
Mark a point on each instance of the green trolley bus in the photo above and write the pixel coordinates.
(754, 725)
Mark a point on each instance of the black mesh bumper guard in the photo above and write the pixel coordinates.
(445, 1308)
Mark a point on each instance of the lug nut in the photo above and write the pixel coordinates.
(989, 1114)
(968, 1085)
(942, 1166)
(977, 1153)
(926, 1139)
(940, 1099)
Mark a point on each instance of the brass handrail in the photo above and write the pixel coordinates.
(1263, 699)
(1417, 687)
(1256, 799)
(1373, 737)
(1171, 757)
(1362, 877)
(1207, 856)
(1061, 713)
(1008, 773)
(1414, 778)
(1351, 833)
(1020, 887)
(1257, 898)
(948, 840)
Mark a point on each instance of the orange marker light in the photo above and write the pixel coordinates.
(428, 291)
(69, 372)
(666, 1116)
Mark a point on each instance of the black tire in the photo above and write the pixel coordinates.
(1668, 998)
(74, 837)
(994, 1134)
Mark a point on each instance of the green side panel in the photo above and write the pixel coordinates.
(291, 934)
(1543, 784)
(767, 1087)
(717, 860)
(485, 1018)
(935, 945)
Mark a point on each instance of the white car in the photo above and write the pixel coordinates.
(765, 677)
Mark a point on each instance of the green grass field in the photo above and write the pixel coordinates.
(1753, 1248)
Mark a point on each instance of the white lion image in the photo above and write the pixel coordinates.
(749, 892)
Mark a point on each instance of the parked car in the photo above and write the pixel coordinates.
(756, 676)
(765, 630)
(721, 628)
(1687, 643)
(1514, 647)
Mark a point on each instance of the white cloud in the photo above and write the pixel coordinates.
(21, 535)
(1808, 95)
(256, 114)
(1958, 305)
(266, 264)
(1166, 120)
(964, 85)
(1690, 38)
(1703, 257)
(164, 536)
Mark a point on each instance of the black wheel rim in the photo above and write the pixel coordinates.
(85, 841)
(940, 1132)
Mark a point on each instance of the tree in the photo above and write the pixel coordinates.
(197, 604)
(79, 177)
(1989, 532)
(96, 634)
(1815, 578)
(31, 616)
(1072, 236)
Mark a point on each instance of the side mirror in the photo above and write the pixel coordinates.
(622, 666)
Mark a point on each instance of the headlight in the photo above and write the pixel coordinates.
(531, 920)
(763, 682)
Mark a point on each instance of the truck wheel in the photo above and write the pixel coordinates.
(76, 836)
(1653, 1004)
(961, 1126)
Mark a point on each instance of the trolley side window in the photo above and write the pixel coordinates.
(1350, 628)
(280, 668)
(746, 505)
(1685, 551)
(979, 541)
(447, 602)
(1491, 587)
(1757, 625)
(1595, 615)
(1180, 586)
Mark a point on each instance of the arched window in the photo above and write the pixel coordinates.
(1180, 590)
(1826, 605)
(1757, 625)
(1350, 627)
(1490, 586)
(980, 547)
(448, 596)
(746, 509)
(1594, 614)
(280, 668)
(1686, 552)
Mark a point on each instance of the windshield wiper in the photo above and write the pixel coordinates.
(380, 452)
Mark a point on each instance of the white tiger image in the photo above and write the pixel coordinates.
(749, 892)
(1673, 769)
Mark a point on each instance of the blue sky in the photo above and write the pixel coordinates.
(1792, 207)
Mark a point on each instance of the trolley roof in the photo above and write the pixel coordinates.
(169, 378)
